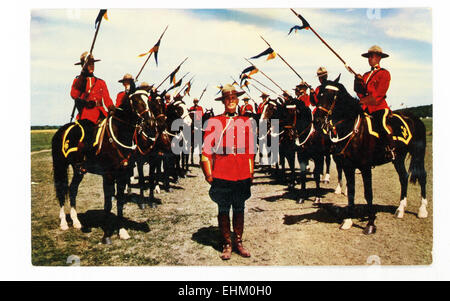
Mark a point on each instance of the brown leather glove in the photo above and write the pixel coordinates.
(111, 110)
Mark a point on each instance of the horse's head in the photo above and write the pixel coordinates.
(270, 109)
(138, 102)
(156, 106)
(178, 110)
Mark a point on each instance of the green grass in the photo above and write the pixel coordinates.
(41, 139)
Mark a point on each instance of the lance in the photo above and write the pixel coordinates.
(323, 41)
(266, 76)
(279, 55)
(142, 68)
(87, 58)
(203, 92)
(171, 73)
(244, 91)
(263, 85)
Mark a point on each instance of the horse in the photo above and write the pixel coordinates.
(194, 142)
(113, 148)
(176, 110)
(356, 145)
(145, 151)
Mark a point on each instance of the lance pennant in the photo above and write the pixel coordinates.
(269, 51)
(101, 14)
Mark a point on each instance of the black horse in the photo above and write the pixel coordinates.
(356, 146)
(114, 144)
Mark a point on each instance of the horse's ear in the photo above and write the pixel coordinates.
(337, 79)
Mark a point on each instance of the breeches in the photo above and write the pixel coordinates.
(229, 194)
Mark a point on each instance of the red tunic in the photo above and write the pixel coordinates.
(245, 108)
(120, 97)
(261, 107)
(305, 99)
(228, 142)
(198, 112)
(96, 91)
(377, 82)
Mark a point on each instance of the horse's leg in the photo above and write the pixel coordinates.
(302, 178)
(291, 162)
(166, 167)
(339, 186)
(423, 213)
(318, 169)
(366, 173)
(399, 164)
(326, 180)
(140, 168)
(61, 187)
(73, 191)
(152, 176)
(350, 177)
(108, 191)
(121, 183)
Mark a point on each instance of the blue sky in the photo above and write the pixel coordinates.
(216, 40)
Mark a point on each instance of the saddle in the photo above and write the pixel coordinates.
(392, 123)
(76, 134)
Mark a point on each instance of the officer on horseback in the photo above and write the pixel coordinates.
(130, 87)
(371, 89)
(90, 94)
(265, 98)
(322, 75)
(246, 109)
(301, 94)
(227, 163)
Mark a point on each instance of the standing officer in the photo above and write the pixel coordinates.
(227, 163)
(130, 87)
(90, 94)
(371, 89)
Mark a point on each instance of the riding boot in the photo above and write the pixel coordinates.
(224, 227)
(238, 227)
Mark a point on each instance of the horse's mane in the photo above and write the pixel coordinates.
(346, 106)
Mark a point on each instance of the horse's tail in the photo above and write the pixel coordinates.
(417, 151)
(59, 168)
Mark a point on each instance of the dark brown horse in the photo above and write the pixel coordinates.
(356, 146)
(114, 142)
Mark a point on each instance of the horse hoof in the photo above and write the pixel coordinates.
(346, 224)
(317, 201)
(399, 213)
(77, 225)
(370, 229)
(106, 241)
(64, 227)
(123, 234)
(142, 206)
(423, 213)
(157, 189)
(300, 201)
(153, 205)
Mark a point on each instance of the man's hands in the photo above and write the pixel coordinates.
(206, 168)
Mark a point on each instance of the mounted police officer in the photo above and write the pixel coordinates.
(246, 109)
(371, 89)
(227, 163)
(91, 95)
(265, 99)
(130, 87)
(302, 94)
(322, 75)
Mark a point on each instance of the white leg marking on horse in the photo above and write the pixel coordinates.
(157, 189)
(317, 200)
(401, 208)
(123, 234)
(74, 217)
(327, 178)
(338, 189)
(423, 213)
(346, 224)
(62, 215)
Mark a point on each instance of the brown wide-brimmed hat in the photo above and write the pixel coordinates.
(127, 76)
(145, 86)
(301, 85)
(375, 49)
(229, 90)
(245, 99)
(83, 58)
(195, 100)
(263, 95)
(322, 72)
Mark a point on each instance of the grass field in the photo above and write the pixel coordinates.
(182, 229)
(41, 139)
